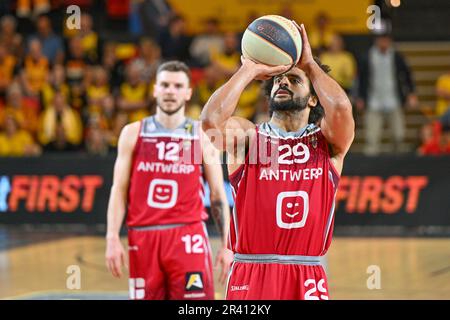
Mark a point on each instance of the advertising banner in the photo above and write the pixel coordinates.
(57, 189)
(392, 191)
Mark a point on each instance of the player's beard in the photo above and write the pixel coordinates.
(171, 112)
(292, 104)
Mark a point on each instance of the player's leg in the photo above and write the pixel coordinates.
(397, 127)
(373, 130)
(146, 278)
(187, 263)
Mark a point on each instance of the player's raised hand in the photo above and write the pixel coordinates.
(307, 57)
(262, 71)
(224, 259)
(115, 256)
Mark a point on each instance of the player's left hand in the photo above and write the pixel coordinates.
(224, 259)
(307, 57)
(262, 71)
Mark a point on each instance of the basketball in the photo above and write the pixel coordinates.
(272, 40)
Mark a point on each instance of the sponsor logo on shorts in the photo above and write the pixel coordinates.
(133, 248)
(194, 281)
(239, 288)
(136, 288)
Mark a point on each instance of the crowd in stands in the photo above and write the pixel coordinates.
(67, 90)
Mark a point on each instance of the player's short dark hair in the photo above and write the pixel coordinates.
(175, 66)
(318, 111)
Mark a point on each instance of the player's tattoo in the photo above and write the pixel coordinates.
(217, 212)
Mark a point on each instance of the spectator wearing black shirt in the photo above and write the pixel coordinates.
(174, 41)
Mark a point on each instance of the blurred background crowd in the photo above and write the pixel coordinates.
(74, 90)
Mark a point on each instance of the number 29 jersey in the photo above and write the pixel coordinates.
(284, 194)
(166, 182)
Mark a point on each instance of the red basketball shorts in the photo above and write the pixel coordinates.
(170, 262)
(276, 281)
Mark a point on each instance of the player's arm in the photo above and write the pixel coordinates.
(220, 210)
(216, 117)
(338, 125)
(115, 254)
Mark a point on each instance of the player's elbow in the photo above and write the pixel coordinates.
(212, 125)
(212, 116)
(343, 114)
(343, 105)
(207, 121)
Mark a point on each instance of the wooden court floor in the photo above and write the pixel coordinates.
(408, 268)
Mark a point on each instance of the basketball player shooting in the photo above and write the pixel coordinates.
(284, 175)
(158, 183)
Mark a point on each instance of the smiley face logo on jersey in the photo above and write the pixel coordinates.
(292, 206)
(292, 209)
(162, 193)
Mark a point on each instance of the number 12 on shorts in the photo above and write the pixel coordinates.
(193, 244)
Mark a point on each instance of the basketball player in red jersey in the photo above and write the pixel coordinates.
(158, 182)
(284, 175)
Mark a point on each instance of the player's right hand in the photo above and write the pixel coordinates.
(262, 71)
(115, 256)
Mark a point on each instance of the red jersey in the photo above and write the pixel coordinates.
(284, 194)
(166, 184)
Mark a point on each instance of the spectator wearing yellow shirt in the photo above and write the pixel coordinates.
(35, 70)
(341, 62)
(249, 101)
(321, 35)
(99, 97)
(26, 114)
(89, 38)
(16, 142)
(7, 69)
(9, 37)
(209, 83)
(59, 119)
(227, 62)
(443, 94)
(57, 82)
(133, 98)
(225, 65)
